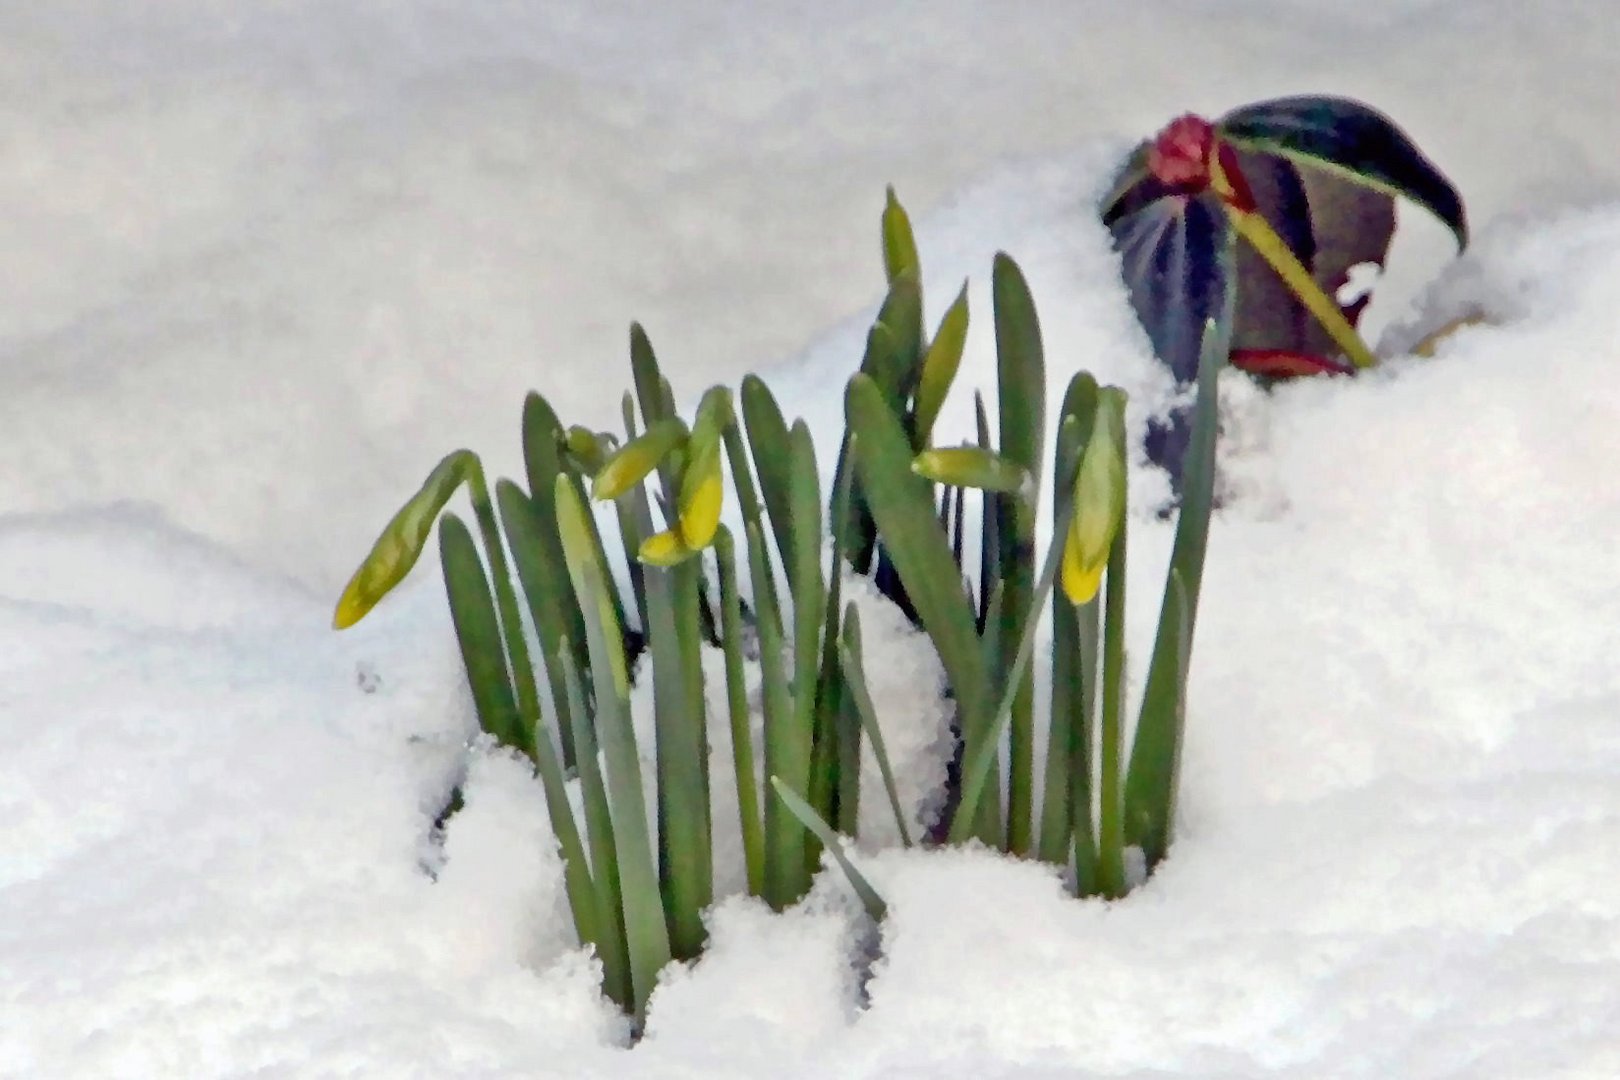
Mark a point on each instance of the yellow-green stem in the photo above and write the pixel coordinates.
(1264, 239)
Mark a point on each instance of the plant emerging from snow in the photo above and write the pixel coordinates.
(1309, 184)
(638, 882)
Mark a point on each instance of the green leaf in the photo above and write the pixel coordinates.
(542, 462)
(648, 378)
(742, 743)
(1150, 789)
(899, 246)
(786, 876)
(875, 907)
(1021, 400)
(478, 630)
(899, 351)
(681, 750)
(1067, 695)
(903, 507)
(1353, 140)
(646, 935)
(402, 540)
(805, 579)
(1110, 734)
(768, 438)
(607, 897)
(541, 571)
(849, 654)
(939, 367)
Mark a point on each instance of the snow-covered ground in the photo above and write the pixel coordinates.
(264, 263)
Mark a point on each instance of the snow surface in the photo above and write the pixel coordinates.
(266, 263)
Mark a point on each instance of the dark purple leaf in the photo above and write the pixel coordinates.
(1353, 141)
(1176, 255)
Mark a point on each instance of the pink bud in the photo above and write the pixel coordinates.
(1179, 155)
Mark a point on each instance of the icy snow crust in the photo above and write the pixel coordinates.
(1399, 845)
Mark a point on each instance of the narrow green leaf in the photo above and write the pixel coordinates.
(861, 698)
(648, 378)
(989, 531)
(786, 878)
(1056, 819)
(1150, 791)
(685, 864)
(1111, 735)
(875, 907)
(896, 355)
(478, 630)
(899, 246)
(550, 597)
(646, 935)
(903, 507)
(805, 577)
(1021, 397)
(939, 367)
(742, 743)
(607, 896)
(543, 461)
(768, 437)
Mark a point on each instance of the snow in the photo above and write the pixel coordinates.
(266, 263)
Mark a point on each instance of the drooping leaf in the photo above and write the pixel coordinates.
(1353, 140)
(870, 900)
(850, 653)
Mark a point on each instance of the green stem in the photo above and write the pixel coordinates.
(1264, 239)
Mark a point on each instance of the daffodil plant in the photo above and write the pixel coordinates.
(639, 876)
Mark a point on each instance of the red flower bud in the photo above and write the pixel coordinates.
(1179, 155)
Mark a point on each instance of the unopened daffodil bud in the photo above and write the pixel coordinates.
(402, 541)
(1099, 500)
(698, 503)
(973, 467)
(632, 463)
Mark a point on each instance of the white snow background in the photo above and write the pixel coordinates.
(262, 264)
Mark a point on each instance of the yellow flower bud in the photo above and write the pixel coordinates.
(637, 458)
(1099, 500)
(402, 540)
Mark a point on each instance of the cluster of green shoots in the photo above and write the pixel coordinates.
(638, 883)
